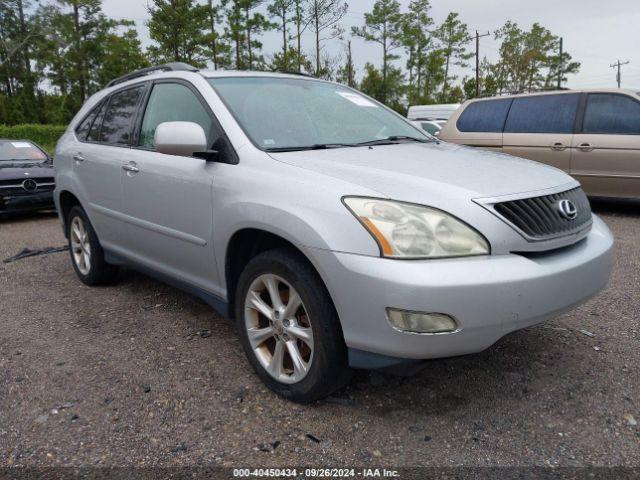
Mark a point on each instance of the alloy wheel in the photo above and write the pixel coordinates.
(80, 246)
(278, 328)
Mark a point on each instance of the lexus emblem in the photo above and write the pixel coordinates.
(567, 209)
(29, 185)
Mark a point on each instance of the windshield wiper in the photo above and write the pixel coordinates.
(394, 139)
(315, 146)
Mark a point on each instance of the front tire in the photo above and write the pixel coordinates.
(289, 328)
(87, 256)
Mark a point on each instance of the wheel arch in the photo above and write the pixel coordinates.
(244, 245)
(67, 201)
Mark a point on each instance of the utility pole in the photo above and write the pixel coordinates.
(617, 65)
(350, 80)
(560, 65)
(478, 37)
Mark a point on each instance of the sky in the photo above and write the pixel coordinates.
(596, 33)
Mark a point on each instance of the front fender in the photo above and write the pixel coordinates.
(302, 207)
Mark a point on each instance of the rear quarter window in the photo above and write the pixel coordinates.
(83, 128)
(484, 116)
(94, 131)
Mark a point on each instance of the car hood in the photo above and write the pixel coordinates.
(424, 173)
(10, 170)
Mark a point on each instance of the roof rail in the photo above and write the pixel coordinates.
(166, 67)
(523, 92)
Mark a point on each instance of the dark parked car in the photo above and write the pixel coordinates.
(26, 177)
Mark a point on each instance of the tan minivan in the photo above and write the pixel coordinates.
(592, 134)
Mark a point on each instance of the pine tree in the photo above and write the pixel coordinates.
(324, 18)
(454, 36)
(178, 29)
(383, 26)
(219, 49)
(418, 43)
(85, 50)
(282, 11)
(301, 19)
(255, 25)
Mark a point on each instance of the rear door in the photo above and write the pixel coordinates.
(105, 137)
(540, 128)
(606, 150)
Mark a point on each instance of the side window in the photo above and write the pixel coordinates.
(173, 102)
(613, 114)
(484, 116)
(429, 128)
(94, 132)
(543, 114)
(117, 123)
(83, 129)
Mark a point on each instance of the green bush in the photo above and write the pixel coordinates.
(44, 135)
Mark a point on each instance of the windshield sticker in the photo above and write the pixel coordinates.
(21, 145)
(269, 141)
(357, 99)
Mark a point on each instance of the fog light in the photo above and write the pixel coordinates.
(420, 322)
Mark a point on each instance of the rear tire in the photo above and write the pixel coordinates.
(87, 256)
(296, 345)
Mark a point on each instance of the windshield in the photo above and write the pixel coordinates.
(13, 150)
(283, 113)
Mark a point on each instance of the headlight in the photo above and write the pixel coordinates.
(404, 230)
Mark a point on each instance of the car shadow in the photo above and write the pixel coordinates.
(629, 207)
(508, 371)
(27, 216)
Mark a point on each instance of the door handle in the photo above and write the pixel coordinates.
(558, 146)
(130, 168)
(78, 158)
(585, 147)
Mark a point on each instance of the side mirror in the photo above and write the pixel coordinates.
(180, 138)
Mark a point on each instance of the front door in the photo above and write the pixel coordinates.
(167, 198)
(540, 128)
(606, 151)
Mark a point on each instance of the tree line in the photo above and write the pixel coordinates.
(55, 53)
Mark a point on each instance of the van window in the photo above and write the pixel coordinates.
(116, 126)
(543, 114)
(172, 102)
(94, 133)
(484, 116)
(612, 114)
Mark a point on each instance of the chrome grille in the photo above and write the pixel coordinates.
(540, 218)
(15, 186)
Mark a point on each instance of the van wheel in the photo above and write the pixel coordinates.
(87, 256)
(289, 328)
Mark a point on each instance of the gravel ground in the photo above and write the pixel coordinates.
(141, 374)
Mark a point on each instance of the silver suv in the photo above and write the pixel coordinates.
(331, 229)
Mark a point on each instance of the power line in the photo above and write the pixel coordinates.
(617, 65)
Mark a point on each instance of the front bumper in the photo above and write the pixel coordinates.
(26, 202)
(488, 296)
